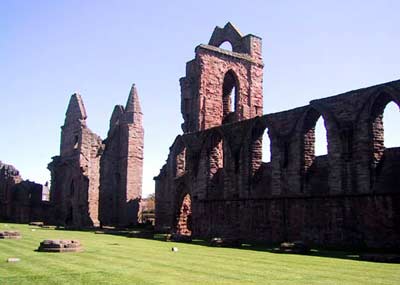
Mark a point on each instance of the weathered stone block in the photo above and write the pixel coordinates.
(60, 246)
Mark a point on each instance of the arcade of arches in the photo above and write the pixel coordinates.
(346, 195)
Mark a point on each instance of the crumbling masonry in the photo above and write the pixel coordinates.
(215, 184)
(97, 182)
(21, 201)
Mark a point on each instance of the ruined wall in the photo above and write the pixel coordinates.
(20, 201)
(215, 74)
(9, 176)
(76, 172)
(349, 197)
(122, 165)
(98, 182)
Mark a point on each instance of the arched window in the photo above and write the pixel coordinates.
(314, 137)
(384, 125)
(259, 147)
(321, 143)
(184, 219)
(76, 141)
(230, 90)
(226, 45)
(391, 121)
(266, 147)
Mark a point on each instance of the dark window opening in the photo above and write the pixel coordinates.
(229, 96)
(76, 142)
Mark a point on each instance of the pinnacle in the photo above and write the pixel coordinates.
(76, 109)
(133, 104)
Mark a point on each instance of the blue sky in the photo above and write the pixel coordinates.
(51, 49)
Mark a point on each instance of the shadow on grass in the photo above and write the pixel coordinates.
(358, 254)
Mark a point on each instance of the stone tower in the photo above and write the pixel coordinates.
(122, 165)
(222, 86)
(75, 172)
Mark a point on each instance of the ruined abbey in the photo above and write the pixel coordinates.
(93, 181)
(215, 183)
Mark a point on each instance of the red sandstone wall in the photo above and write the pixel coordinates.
(349, 197)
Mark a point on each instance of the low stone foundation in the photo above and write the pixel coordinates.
(297, 247)
(37, 224)
(60, 246)
(10, 235)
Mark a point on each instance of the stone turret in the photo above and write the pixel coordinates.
(133, 110)
(122, 165)
(222, 86)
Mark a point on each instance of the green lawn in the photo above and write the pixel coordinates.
(112, 259)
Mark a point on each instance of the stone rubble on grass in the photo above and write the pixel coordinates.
(10, 235)
(38, 224)
(60, 246)
(225, 242)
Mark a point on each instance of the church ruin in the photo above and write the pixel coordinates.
(97, 182)
(21, 201)
(215, 184)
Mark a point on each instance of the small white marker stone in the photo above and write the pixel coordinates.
(13, 259)
(33, 230)
(174, 249)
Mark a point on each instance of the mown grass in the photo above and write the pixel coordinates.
(112, 259)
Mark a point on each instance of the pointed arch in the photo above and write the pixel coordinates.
(183, 210)
(258, 132)
(321, 141)
(230, 95)
(228, 33)
(309, 123)
(226, 45)
(390, 125)
(377, 109)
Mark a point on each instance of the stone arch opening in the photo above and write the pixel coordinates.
(184, 219)
(230, 91)
(390, 125)
(226, 45)
(266, 147)
(321, 142)
(259, 147)
(385, 113)
(314, 133)
(260, 155)
(76, 141)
